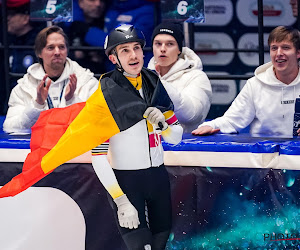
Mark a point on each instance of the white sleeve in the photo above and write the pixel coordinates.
(173, 133)
(21, 115)
(239, 115)
(106, 175)
(193, 102)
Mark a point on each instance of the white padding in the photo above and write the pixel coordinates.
(41, 218)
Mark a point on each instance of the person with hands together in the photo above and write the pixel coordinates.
(55, 81)
(43, 88)
(267, 102)
(135, 176)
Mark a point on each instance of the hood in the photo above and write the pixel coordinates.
(187, 61)
(37, 72)
(265, 74)
(190, 56)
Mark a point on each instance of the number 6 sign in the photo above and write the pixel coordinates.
(182, 7)
(186, 10)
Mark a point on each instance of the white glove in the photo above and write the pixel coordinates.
(127, 214)
(155, 116)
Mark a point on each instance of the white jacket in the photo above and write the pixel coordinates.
(24, 111)
(189, 89)
(265, 103)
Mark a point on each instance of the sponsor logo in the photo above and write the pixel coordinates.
(287, 102)
(207, 46)
(269, 10)
(275, 12)
(224, 91)
(217, 12)
(215, 41)
(249, 41)
(166, 30)
(282, 237)
(215, 9)
(220, 88)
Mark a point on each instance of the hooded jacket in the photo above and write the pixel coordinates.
(264, 103)
(24, 111)
(189, 89)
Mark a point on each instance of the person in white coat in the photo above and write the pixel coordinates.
(181, 72)
(267, 101)
(56, 81)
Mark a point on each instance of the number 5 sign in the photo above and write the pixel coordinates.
(186, 10)
(51, 6)
(51, 10)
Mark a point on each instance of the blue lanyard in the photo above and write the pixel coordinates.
(49, 101)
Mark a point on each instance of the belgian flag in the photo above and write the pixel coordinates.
(61, 134)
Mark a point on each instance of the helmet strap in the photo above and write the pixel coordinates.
(118, 64)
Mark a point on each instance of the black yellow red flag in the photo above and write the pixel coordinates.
(62, 134)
